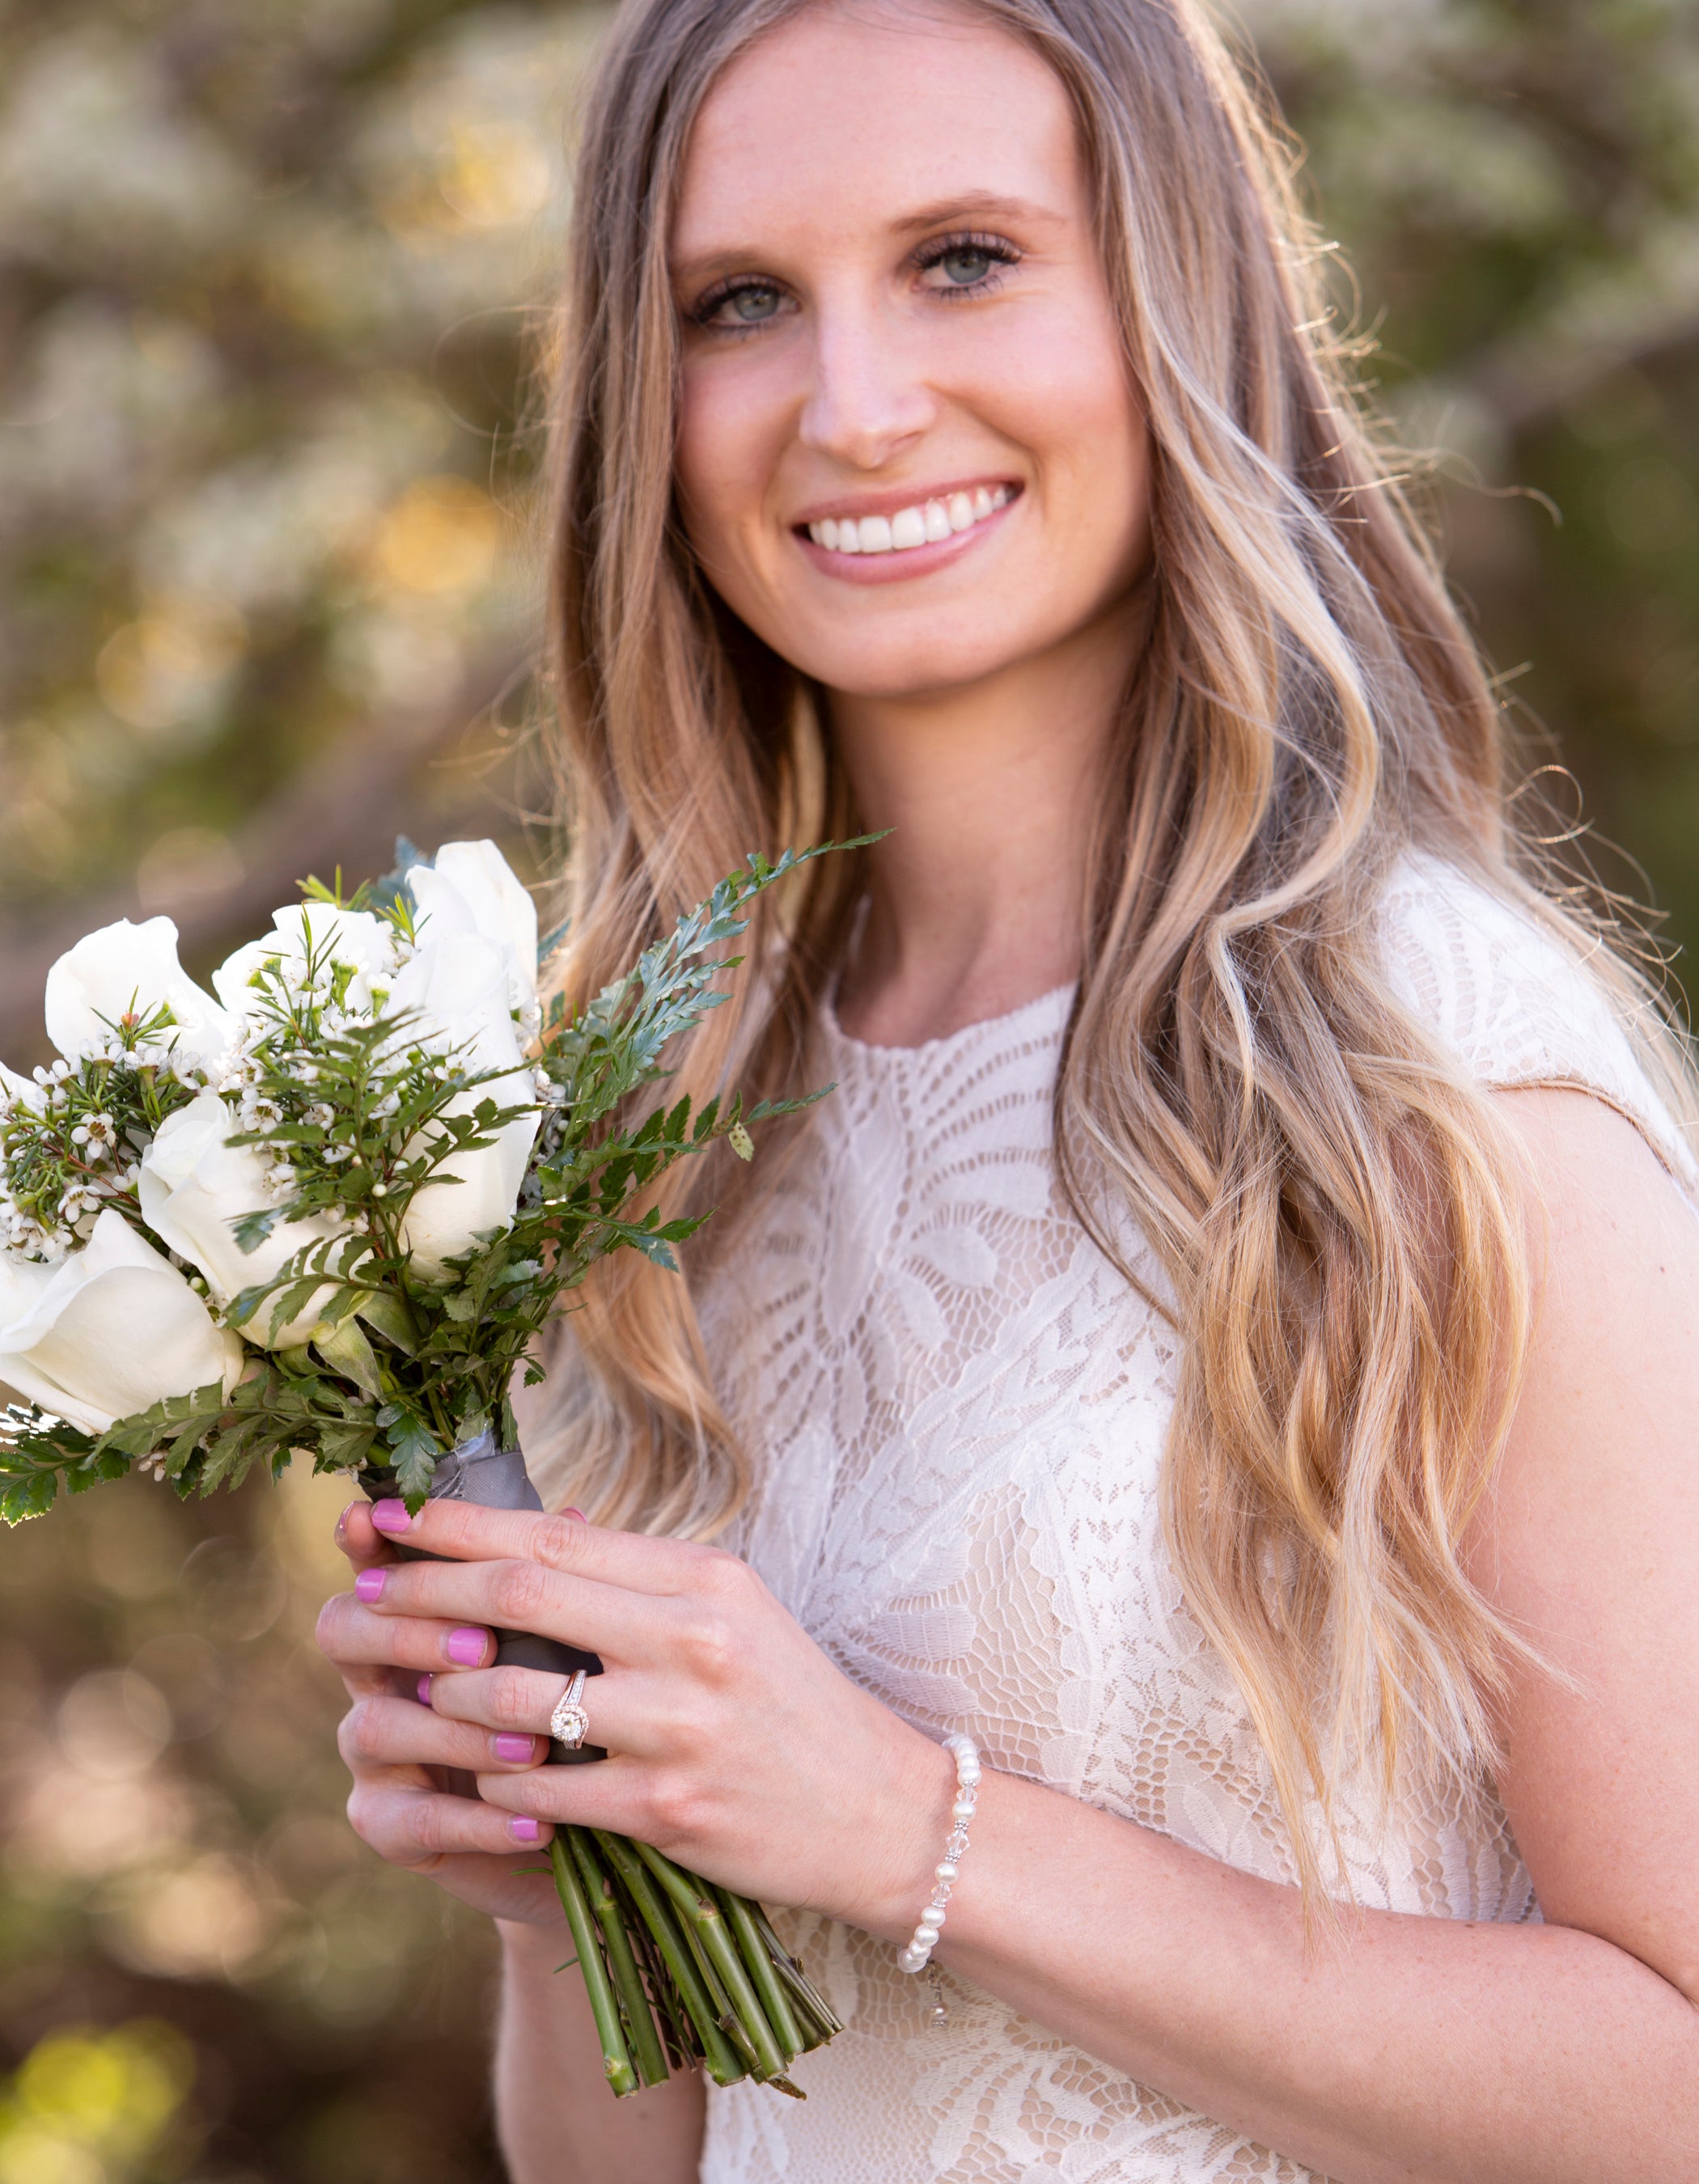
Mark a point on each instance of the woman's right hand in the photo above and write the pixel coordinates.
(413, 1798)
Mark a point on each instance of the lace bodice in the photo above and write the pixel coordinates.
(958, 1409)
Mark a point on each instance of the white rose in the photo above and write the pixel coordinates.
(456, 992)
(320, 931)
(470, 887)
(110, 1331)
(127, 969)
(194, 1186)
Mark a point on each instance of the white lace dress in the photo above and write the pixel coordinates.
(958, 1408)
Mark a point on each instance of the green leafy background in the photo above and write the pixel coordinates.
(274, 289)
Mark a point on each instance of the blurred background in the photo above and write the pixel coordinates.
(274, 289)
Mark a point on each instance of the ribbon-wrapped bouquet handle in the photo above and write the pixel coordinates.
(490, 1477)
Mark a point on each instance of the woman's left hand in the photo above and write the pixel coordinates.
(734, 1745)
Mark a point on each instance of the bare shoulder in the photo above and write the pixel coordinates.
(1590, 1543)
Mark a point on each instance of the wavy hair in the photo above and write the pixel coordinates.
(1336, 1210)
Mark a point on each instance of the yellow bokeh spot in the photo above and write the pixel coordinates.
(496, 173)
(441, 537)
(88, 2107)
(166, 665)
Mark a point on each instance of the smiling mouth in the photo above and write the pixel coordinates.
(928, 523)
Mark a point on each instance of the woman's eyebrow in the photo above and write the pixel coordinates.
(976, 204)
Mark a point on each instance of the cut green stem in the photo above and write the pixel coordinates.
(723, 2063)
(616, 2060)
(611, 1916)
(708, 1923)
(813, 2006)
(760, 1966)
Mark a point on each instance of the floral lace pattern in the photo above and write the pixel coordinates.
(959, 1407)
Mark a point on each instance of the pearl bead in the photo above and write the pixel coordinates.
(963, 1809)
(944, 1872)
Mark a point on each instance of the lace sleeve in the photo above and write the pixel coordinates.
(1513, 1003)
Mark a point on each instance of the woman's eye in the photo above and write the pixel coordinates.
(752, 306)
(968, 265)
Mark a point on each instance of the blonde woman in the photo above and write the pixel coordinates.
(1226, 1348)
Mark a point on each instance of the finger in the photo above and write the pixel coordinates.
(635, 1560)
(353, 1634)
(417, 1827)
(626, 1709)
(359, 1537)
(630, 1627)
(381, 1731)
(625, 1796)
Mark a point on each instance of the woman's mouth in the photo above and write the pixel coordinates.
(927, 523)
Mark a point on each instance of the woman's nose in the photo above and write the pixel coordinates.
(868, 400)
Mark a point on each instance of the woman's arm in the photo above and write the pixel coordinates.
(1420, 2047)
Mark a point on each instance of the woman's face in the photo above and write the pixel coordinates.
(909, 452)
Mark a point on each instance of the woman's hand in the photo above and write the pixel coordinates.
(413, 1798)
(734, 1745)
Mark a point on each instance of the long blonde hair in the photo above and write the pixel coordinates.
(1335, 1209)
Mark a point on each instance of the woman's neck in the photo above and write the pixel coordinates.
(991, 794)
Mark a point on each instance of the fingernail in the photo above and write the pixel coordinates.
(424, 1690)
(578, 1514)
(342, 1524)
(370, 1584)
(523, 1829)
(465, 1646)
(514, 1748)
(391, 1516)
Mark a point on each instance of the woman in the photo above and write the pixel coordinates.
(1225, 1345)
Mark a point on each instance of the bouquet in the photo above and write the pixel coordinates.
(327, 1213)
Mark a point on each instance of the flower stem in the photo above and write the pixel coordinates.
(759, 1964)
(815, 2010)
(724, 2065)
(616, 2060)
(707, 1922)
(611, 1916)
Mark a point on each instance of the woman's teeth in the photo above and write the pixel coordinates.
(924, 525)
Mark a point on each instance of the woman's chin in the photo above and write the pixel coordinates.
(929, 664)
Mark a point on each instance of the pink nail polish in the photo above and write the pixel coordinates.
(578, 1514)
(515, 1749)
(370, 1584)
(523, 1829)
(424, 1688)
(391, 1516)
(466, 1647)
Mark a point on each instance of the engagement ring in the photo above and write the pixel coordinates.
(569, 1724)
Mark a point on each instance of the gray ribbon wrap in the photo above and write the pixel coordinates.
(490, 1477)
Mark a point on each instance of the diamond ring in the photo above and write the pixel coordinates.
(569, 1724)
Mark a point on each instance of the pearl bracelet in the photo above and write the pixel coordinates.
(965, 1754)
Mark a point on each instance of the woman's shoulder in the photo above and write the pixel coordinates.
(1520, 1002)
